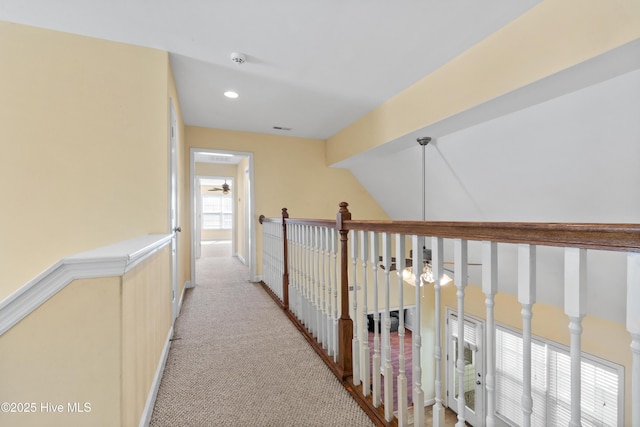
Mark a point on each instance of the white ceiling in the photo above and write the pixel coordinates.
(314, 67)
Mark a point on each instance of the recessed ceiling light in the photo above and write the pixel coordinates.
(231, 94)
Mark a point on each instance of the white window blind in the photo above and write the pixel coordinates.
(469, 330)
(599, 390)
(509, 379)
(551, 385)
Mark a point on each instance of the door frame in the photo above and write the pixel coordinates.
(480, 391)
(250, 221)
(174, 228)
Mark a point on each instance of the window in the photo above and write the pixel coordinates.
(217, 212)
(551, 384)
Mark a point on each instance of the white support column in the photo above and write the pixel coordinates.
(365, 361)
(402, 378)
(575, 304)
(460, 265)
(526, 297)
(633, 326)
(417, 243)
(375, 375)
(490, 287)
(387, 369)
(437, 265)
(355, 348)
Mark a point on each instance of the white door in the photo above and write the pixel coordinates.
(173, 207)
(473, 377)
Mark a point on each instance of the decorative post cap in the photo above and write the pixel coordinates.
(343, 214)
(285, 214)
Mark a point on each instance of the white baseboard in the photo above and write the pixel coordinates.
(240, 257)
(145, 419)
(429, 402)
(189, 284)
(184, 289)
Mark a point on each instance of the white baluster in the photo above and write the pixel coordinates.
(490, 287)
(526, 297)
(402, 378)
(575, 300)
(417, 243)
(388, 368)
(307, 278)
(334, 246)
(460, 263)
(365, 361)
(355, 349)
(437, 264)
(329, 319)
(633, 326)
(314, 281)
(375, 259)
(318, 286)
(323, 291)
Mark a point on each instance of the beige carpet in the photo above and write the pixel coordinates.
(236, 360)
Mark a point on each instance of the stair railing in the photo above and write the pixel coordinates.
(302, 273)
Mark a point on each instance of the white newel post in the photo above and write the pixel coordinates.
(402, 377)
(388, 369)
(460, 265)
(526, 297)
(375, 259)
(437, 265)
(490, 287)
(364, 353)
(633, 326)
(575, 300)
(417, 243)
(355, 348)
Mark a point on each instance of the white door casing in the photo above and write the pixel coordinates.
(173, 207)
(474, 368)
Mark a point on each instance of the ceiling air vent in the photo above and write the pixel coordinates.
(281, 128)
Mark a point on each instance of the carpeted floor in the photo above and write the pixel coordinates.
(236, 360)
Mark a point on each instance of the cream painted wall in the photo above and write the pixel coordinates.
(102, 338)
(552, 36)
(85, 125)
(292, 173)
(146, 322)
(79, 332)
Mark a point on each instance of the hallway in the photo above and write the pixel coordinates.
(236, 359)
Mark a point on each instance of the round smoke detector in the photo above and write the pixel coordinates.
(238, 58)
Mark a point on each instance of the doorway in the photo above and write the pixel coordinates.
(473, 376)
(237, 168)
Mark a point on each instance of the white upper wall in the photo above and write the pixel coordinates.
(574, 158)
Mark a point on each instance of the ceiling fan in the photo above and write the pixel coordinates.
(225, 188)
(426, 258)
